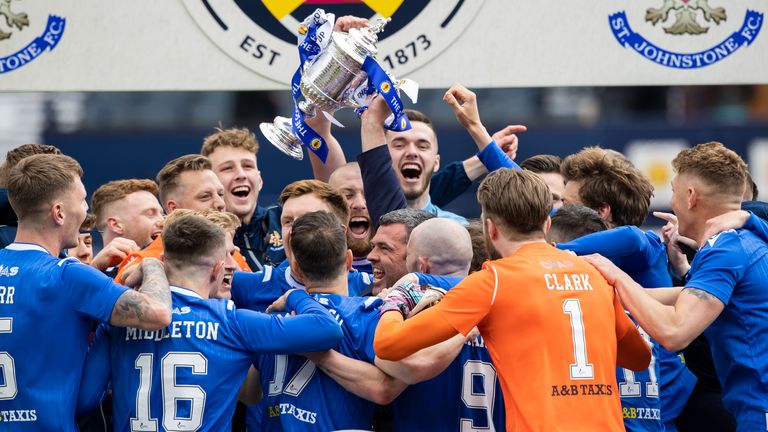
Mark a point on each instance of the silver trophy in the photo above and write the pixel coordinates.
(328, 83)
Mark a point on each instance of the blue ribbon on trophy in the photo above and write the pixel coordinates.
(314, 35)
(380, 80)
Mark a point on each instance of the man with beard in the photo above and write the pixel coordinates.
(348, 181)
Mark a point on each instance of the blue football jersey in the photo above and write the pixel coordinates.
(187, 376)
(639, 391)
(256, 291)
(470, 392)
(47, 308)
(733, 266)
(643, 256)
(362, 265)
(300, 397)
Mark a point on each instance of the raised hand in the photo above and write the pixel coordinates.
(347, 22)
(727, 221)
(507, 139)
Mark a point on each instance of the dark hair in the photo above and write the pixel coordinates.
(89, 223)
(573, 221)
(38, 180)
(414, 115)
(544, 163)
(753, 186)
(319, 245)
(191, 240)
(479, 252)
(519, 201)
(409, 217)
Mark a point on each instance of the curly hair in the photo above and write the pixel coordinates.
(610, 180)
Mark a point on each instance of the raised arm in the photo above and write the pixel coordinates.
(312, 329)
(380, 185)
(322, 171)
(358, 377)
(149, 308)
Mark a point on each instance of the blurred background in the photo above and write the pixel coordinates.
(132, 135)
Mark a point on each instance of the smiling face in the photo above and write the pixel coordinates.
(348, 181)
(414, 158)
(237, 170)
(388, 255)
(84, 249)
(197, 190)
(75, 209)
(140, 217)
(223, 290)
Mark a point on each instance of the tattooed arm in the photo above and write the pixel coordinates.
(148, 308)
(673, 326)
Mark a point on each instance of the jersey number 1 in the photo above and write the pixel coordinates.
(8, 389)
(581, 369)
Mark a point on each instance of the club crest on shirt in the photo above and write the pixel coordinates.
(26, 35)
(275, 240)
(686, 34)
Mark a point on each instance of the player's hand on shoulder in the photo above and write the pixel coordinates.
(608, 269)
(727, 221)
(279, 304)
(114, 253)
(410, 298)
(473, 335)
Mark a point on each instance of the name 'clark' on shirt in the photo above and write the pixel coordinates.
(567, 282)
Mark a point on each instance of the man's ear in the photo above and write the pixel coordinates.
(437, 163)
(493, 230)
(605, 213)
(423, 264)
(693, 197)
(259, 181)
(349, 258)
(115, 225)
(171, 205)
(57, 213)
(547, 226)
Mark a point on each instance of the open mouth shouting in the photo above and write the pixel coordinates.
(360, 227)
(226, 285)
(411, 172)
(378, 275)
(241, 192)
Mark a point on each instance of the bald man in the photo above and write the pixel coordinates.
(439, 246)
(439, 253)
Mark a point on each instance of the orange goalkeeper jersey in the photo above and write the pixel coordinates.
(551, 324)
(155, 250)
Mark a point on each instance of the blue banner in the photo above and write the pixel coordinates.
(51, 36)
(745, 36)
(313, 29)
(378, 78)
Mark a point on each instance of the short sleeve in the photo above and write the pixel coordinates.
(718, 266)
(468, 303)
(91, 292)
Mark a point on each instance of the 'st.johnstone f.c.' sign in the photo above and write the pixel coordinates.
(261, 35)
(675, 20)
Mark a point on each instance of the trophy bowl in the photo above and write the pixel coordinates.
(327, 83)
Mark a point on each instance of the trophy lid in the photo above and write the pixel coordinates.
(361, 43)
